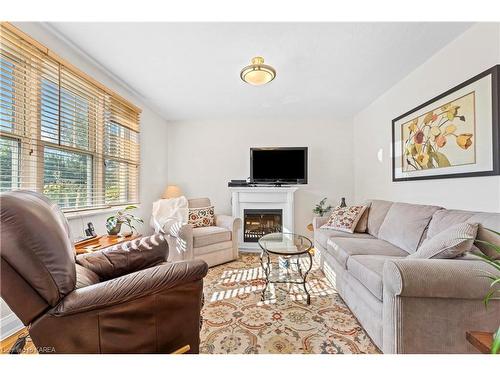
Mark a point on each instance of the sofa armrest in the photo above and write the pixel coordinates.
(429, 304)
(318, 221)
(130, 287)
(180, 230)
(126, 257)
(225, 221)
(437, 278)
(180, 239)
(234, 225)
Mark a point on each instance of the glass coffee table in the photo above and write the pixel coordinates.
(292, 250)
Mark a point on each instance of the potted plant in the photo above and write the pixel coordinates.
(114, 223)
(494, 286)
(320, 208)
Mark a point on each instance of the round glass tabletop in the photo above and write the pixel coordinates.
(285, 243)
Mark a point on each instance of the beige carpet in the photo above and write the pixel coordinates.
(236, 320)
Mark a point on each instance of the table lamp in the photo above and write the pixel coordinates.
(172, 191)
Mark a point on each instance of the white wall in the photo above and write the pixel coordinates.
(471, 53)
(205, 155)
(153, 139)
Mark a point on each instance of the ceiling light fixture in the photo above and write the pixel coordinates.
(258, 73)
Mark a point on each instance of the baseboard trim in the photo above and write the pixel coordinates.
(250, 251)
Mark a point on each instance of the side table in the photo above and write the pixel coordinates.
(482, 341)
(102, 242)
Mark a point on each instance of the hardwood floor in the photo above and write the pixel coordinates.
(7, 343)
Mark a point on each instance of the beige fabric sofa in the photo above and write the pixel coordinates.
(410, 305)
(215, 244)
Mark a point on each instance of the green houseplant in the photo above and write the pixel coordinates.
(494, 291)
(114, 223)
(320, 208)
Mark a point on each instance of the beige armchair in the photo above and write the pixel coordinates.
(215, 244)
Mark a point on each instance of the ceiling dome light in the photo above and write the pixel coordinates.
(257, 73)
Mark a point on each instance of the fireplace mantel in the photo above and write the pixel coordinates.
(265, 198)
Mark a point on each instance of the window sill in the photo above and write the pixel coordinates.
(99, 211)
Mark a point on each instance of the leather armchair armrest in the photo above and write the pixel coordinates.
(126, 257)
(318, 221)
(130, 287)
(437, 278)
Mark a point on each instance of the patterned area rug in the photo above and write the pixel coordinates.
(236, 320)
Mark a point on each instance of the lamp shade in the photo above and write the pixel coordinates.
(172, 191)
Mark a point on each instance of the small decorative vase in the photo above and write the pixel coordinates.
(125, 233)
(342, 203)
(115, 230)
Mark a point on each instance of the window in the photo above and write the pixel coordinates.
(67, 177)
(121, 152)
(9, 160)
(61, 132)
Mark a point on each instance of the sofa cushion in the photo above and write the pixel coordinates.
(204, 236)
(343, 248)
(443, 219)
(367, 269)
(323, 235)
(198, 202)
(213, 248)
(450, 243)
(376, 215)
(488, 220)
(405, 223)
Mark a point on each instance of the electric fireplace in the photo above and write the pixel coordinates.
(258, 222)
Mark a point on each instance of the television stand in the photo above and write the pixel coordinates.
(271, 184)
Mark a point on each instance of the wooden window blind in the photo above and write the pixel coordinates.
(61, 132)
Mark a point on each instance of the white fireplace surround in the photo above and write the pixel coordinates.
(271, 198)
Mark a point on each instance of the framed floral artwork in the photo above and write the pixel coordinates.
(455, 134)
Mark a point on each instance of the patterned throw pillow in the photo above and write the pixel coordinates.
(450, 243)
(201, 217)
(344, 219)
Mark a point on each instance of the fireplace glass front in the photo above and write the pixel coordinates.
(260, 222)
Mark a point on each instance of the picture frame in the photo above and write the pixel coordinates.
(453, 135)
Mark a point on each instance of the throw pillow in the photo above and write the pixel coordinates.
(201, 217)
(344, 219)
(126, 257)
(450, 243)
(362, 225)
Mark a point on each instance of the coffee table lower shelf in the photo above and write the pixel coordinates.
(266, 267)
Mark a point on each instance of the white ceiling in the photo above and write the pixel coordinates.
(191, 70)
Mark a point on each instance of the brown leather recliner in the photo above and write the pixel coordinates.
(124, 299)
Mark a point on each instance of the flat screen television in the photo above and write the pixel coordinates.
(278, 165)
